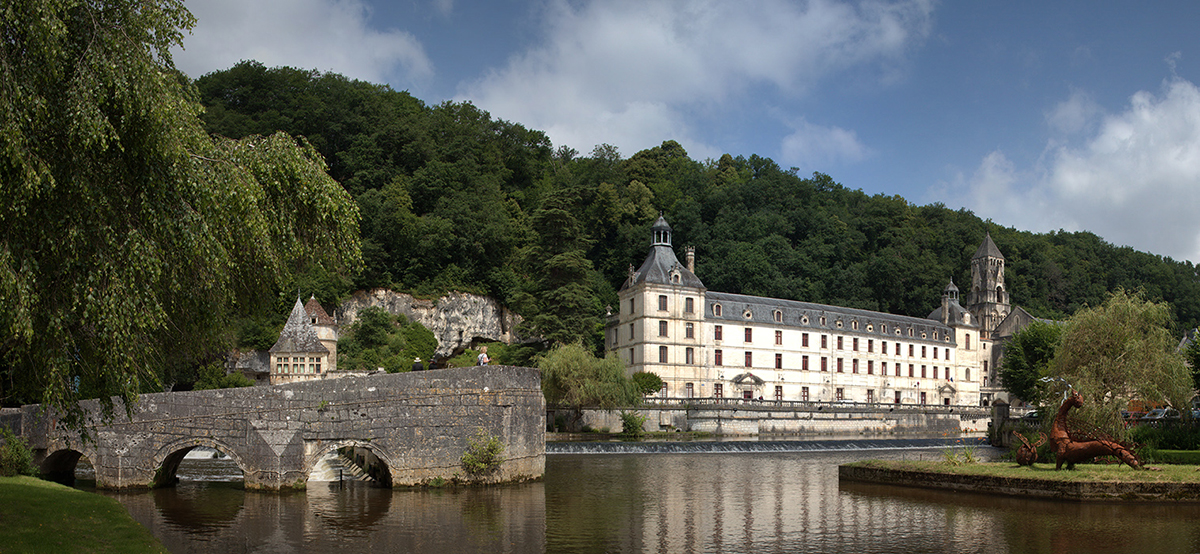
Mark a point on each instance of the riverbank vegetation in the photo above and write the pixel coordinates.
(40, 516)
(1113, 473)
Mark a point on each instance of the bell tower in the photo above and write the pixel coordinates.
(988, 299)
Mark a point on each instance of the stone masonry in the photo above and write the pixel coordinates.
(418, 424)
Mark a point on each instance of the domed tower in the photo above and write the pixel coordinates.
(988, 298)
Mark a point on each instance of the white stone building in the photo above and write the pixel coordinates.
(715, 344)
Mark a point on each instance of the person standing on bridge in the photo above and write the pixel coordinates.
(417, 365)
(483, 358)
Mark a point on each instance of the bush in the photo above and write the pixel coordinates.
(631, 424)
(647, 383)
(1170, 436)
(484, 454)
(15, 457)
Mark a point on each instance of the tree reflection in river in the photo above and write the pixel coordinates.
(746, 502)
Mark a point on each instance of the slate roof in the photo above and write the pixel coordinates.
(298, 334)
(661, 263)
(987, 249)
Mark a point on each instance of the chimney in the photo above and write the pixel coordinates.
(691, 259)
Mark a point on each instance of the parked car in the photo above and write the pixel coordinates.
(1032, 416)
(1160, 414)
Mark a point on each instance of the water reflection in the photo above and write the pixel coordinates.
(753, 503)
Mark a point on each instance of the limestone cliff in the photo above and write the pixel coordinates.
(456, 319)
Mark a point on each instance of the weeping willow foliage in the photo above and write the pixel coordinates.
(1118, 352)
(127, 233)
(573, 378)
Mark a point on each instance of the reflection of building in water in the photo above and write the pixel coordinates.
(714, 344)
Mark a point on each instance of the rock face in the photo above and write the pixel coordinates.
(457, 319)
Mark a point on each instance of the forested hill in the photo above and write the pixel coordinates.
(453, 199)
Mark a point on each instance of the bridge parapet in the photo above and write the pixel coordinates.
(418, 424)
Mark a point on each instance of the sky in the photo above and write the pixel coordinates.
(1069, 115)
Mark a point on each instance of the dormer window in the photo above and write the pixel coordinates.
(778, 316)
(716, 310)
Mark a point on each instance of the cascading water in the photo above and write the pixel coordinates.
(713, 447)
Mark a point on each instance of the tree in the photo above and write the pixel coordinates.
(646, 382)
(128, 235)
(1027, 358)
(378, 339)
(1191, 353)
(573, 378)
(1120, 351)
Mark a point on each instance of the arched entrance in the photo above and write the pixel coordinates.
(67, 466)
(213, 463)
(351, 461)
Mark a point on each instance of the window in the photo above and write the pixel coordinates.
(841, 394)
(804, 340)
(779, 361)
(717, 357)
(778, 393)
(691, 390)
(855, 345)
(854, 365)
(854, 325)
(824, 363)
(840, 365)
(804, 363)
(822, 320)
(749, 335)
(662, 354)
(935, 372)
(910, 331)
(923, 372)
(967, 374)
(748, 395)
(689, 356)
(883, 329)
(922, 398)
(985, 368)
(804, 394)
(778, 337)
(910, 351)
(718, 332)
(662, 328)
(840, 343)
(662, 302)
(689, 305)
(630, 331)
(968, 341)
(718, 390)
(689, 330)
(897, 349)
(870, 345)
(897, 397)
(778, 316)
(910, 370)
(922, 351)
(935, 349)
(717, 310)
(883, 347)
(749, 359)
(631, 310)
(870, 396)
(824, 341)
(870, 367)
(630, 356)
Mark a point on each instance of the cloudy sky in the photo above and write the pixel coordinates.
(1075, 115)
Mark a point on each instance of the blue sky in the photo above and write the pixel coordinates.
(1037, 115)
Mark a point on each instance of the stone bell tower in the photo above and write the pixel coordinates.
(988, 299)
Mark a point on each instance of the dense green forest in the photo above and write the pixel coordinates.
(453, 199)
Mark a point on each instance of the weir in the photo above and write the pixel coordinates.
(724, 447)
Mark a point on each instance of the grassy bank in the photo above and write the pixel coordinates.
(1105, 473)
(40, 516)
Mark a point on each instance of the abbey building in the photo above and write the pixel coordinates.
(715, 344)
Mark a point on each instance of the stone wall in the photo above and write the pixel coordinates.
(417, 423)
(457, 319)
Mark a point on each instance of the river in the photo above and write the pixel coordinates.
(691, 499)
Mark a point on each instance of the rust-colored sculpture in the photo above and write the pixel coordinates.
(1071, 447)
(1027, 453)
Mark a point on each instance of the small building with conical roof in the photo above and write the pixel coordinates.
(299, 354)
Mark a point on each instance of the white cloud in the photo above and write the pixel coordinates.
(1074, 115)
(327, 35)
(633, 73)
(814, 146)
(1134, 180)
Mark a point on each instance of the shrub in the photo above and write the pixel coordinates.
(647, 383)
(631, 423)
(15, 457)
(484, 454)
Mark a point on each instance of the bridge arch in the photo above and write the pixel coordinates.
(167, 459)
(381, 474)
(59, 466)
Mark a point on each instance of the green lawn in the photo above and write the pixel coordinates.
(1166, 473)
(40, 516)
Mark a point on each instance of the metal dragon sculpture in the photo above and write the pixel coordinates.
(1072, 444)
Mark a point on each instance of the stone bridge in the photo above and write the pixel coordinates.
(416, 424)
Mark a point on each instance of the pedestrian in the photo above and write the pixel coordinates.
(417, 365)
(483, 358)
